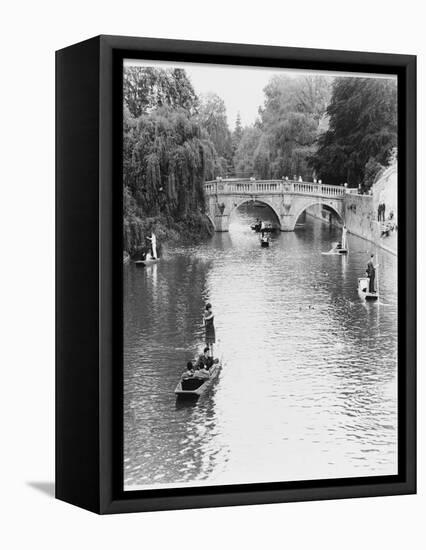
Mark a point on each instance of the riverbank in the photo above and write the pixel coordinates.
(193, 228)
(360, 221)
(361, 212)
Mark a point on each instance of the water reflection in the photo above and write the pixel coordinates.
(308, 388)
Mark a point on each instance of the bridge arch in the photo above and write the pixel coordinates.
(318, 202)
(249, 200)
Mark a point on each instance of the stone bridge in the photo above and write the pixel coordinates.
(287, 199)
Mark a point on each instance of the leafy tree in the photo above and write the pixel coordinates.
(362, 126)
(212, 114)
(262, 159)
(291, 117)
(237, 134)
(148, 88)
(167, 158)
(372, 169)
(244, 155)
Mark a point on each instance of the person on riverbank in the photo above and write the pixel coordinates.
(208, 320)
(371, 273)
(381, 212)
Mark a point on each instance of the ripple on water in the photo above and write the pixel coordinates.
(309, 372)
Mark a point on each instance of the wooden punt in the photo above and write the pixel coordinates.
(363, 286)
(335, 251)
(194, 387)
(143, 263)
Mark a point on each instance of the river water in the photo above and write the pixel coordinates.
(308, 388)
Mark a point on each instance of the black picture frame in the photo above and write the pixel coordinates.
(89, 274)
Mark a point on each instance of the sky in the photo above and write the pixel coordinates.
(240, 87)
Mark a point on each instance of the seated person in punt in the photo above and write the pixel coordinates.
(205, 361)
(189, 373)
(201, 372)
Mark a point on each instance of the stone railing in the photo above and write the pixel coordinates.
(247, 187)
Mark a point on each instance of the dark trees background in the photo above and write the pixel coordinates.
(362, 131)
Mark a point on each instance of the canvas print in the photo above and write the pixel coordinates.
(260, 229)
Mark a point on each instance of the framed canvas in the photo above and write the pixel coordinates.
(236, 277)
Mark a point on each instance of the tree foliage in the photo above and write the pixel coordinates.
(148, 88)
(287, 129)
(212, 114)
(167, 158)
(362, 129)
(237, 134)
(168, 152)
(244, 155)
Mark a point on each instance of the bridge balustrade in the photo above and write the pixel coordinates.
(273, 186)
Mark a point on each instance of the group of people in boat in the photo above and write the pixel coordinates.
(262, 227)
(201, 369)
(206, 360)
(264, 239)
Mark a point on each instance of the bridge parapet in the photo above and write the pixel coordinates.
(287, 199)
(246, 187)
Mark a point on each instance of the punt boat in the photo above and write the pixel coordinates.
(363, 286)
(264, 242)
(143, 263)
(194, 387)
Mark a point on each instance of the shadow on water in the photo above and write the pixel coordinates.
(186, 402)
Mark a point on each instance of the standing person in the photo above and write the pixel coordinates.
(208, 320)
(344, 231)
(371, 272)
(153, 240)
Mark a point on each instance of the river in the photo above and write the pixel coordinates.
(308, 388)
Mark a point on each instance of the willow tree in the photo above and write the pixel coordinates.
(168, 156)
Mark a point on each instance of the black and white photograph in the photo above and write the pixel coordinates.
(260, 229)
(211, 257)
